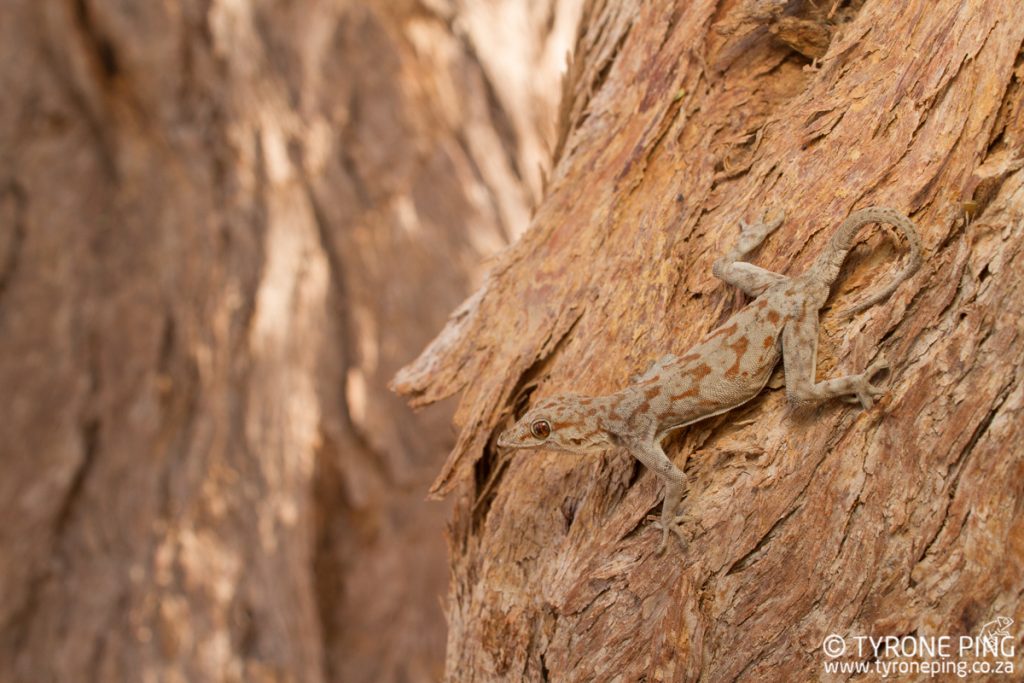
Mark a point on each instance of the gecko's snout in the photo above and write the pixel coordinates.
(513, 437)
(505, 439)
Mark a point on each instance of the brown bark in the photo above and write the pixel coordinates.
(223, 226)
(680, 119)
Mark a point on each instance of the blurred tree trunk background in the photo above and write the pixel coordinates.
(679, 120)
(224, 224)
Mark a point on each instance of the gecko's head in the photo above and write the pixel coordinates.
(560, 423)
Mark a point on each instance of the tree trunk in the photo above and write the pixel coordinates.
(223, 226)
(681, 119)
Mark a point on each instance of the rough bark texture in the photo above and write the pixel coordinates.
(223, 226)
(680, 119)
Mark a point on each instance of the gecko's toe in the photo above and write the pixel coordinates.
(675, 529)
(664, 542)
(685, 518)
(861, 393)
(878, 366)
(683, 538)
(868, 394)
(687, 529)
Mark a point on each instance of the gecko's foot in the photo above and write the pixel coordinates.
(674, 527)
(752, 234)
(863, 391)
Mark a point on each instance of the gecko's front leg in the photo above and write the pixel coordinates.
(730, 267)
(669, 521)
(653, 456)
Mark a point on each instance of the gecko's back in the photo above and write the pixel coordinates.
(727, 367)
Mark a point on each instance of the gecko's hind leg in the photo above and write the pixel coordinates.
(732, 269)
(799, 356)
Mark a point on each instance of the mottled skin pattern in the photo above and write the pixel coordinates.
(727, 368)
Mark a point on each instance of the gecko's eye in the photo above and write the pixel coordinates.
(541, 429)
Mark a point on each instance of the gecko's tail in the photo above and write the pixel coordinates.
(831, 259)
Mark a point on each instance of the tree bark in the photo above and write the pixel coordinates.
(223, 226)
(679, 120)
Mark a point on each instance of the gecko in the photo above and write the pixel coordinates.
(727, 367)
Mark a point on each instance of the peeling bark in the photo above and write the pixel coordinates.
(678, 121)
